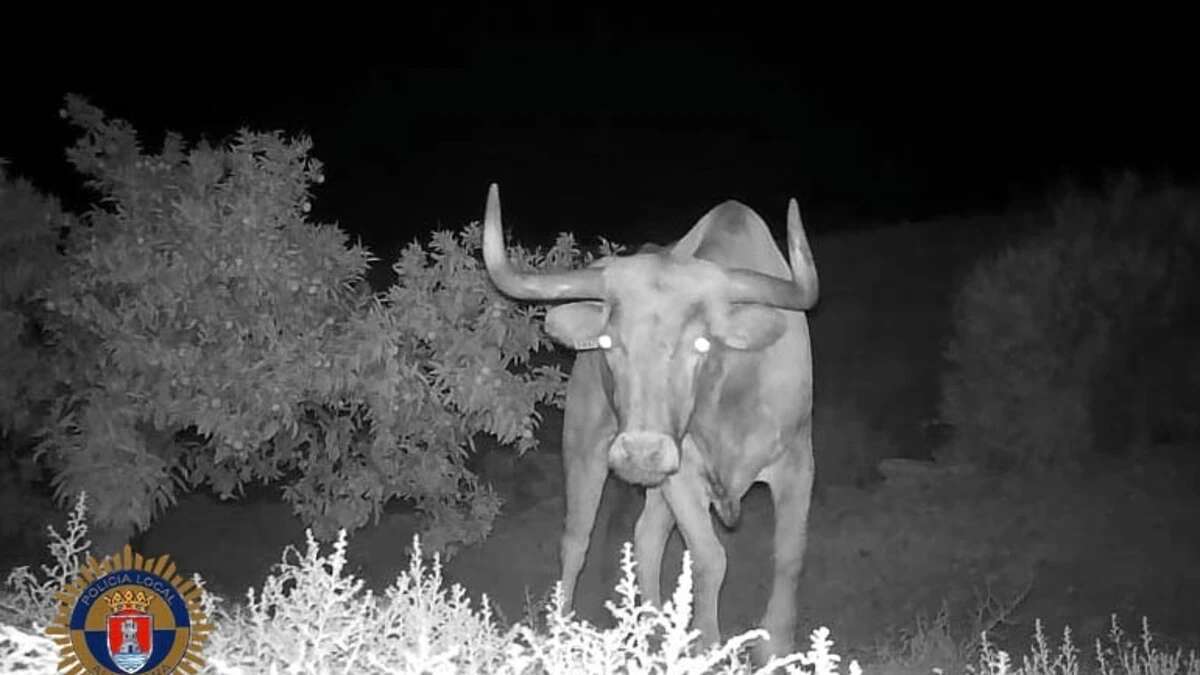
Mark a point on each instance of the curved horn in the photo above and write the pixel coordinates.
(577, 284)
(801, 292)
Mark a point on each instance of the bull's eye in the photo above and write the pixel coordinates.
(702, 344)
(604, 341)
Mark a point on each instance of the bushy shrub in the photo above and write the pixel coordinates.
(28, 598)
(1120, 656)
(310, 616)
(197, 329)
(29, 231)
(1038, 327)
(311, 612)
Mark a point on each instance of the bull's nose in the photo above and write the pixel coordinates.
(645, 452)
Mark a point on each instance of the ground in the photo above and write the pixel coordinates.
(1120, 538)
(1086, 546)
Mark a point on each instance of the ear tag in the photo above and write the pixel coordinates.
(599, 342)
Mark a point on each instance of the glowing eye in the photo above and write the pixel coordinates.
(702, 344)
(604, 341)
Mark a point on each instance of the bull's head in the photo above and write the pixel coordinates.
(667, 326)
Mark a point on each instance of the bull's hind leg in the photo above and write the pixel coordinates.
(588, 428)
(791, 483)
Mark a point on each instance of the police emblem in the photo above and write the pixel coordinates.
(128, 614)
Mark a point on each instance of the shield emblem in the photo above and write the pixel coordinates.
(129, 639)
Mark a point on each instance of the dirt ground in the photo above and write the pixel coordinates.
(1121, 540)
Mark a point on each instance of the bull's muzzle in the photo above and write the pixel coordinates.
(643, 457)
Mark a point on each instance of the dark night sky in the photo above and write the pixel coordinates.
(618, 133)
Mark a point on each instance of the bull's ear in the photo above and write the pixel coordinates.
(577, 324)
(752, 327)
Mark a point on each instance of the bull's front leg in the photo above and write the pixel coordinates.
(585, 474)
(687, 496)
(588, 428)
(650, 540)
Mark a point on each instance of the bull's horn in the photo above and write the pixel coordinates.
(801, 292)
(577, 284)
(804, 268)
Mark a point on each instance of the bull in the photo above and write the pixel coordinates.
(693, 378)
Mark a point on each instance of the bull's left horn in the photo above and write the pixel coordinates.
(577, 284)
(801, 293)
(800, 257)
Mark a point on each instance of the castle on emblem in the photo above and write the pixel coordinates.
(130, 629)
(129, 644)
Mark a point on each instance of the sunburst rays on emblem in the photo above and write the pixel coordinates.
(183, 640)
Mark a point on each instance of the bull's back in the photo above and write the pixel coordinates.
(733, 235)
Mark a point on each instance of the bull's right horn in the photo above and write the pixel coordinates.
(583, 284)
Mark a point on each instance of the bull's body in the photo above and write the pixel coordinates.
(694, 378)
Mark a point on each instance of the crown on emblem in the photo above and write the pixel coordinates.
(128, 599)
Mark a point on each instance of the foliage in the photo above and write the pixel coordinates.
(651, 639)
(28, 600)
(313, 617)
(1037, 328)
(1119, 657)
(197, 328)
(29, 224)
(935, 644)
(22, 650)
(932, 648)
(446, 356)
